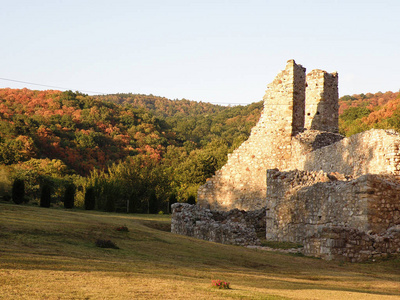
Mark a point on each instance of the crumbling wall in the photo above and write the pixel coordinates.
(344, 203)
(235, 227)
(322, 105)
(375, 151)
(241, 181)
(350, 244)
(334, 216)
(273, 142)
(308, 141)
(284, 102)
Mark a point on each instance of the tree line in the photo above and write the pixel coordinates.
(134, 153)
(126, 156)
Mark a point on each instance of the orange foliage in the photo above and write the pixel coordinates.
(381, 105)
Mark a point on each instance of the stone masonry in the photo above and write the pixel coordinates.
(241, 181)
(339, 197)
(322, 107)
(335, 216)
(236, 227)
(298, 129)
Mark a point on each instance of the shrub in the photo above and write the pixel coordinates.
(220, 284)
(153, 203)
(191, 200)
(106, 244)
(172, 199)
(135, 203)
(18, 191)
(69, 196)
(144, 204)
(45, 196)
(110, 204)
(90, 199)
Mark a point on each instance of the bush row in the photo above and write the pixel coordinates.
(152, 206)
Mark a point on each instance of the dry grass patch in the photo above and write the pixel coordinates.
(51, 254)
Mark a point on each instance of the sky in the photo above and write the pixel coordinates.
(223, 52)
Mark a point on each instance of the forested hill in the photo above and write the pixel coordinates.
(365, 111)
(201, 122)
(81, 131)
(197, 122)
(163, 107)
(137, 148)
(125, 152)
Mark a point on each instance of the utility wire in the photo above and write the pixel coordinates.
(50, 86)
(101, 93)
(226, 104)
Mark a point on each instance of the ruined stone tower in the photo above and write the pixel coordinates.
(284, 101)
(289, 108)
(322, 106)
(339, 197)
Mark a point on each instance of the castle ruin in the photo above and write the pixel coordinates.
(339, 197)
(300, 115)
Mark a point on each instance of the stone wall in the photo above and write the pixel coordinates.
(322, 106)
(233, 227)
(284, 101)
(343, 203)
(294, 101)
(241, 181)
(333, 215)
(375, 151)
(349, 244)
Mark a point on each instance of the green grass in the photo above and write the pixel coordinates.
(281, 245)
(51, 254)
(275, 244)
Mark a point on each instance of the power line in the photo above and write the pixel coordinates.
(50, 86)
(101, 93)
(224, 103)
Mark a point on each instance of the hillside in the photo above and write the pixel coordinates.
(163, 107)
(365, 111)
(198, 122)
(133, 148)
(125, 152)
(61, 261)
(82, 132)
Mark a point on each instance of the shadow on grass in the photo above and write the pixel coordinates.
(69, 247)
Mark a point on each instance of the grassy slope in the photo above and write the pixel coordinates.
(50, 254)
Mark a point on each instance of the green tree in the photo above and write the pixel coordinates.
(153, 203)
(353, 113)
(90, 199)
(45, 195)
(191, 200)
(18, 191)
(69, 196)
(110, 204)
(171, 200)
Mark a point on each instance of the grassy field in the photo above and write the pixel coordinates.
(51, 254)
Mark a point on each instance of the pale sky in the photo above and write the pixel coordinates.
(212, 51)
